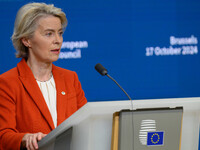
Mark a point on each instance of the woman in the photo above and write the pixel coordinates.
(36, 96)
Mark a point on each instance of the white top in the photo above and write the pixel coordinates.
(48, 90)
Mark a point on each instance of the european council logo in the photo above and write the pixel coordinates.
(155, 138)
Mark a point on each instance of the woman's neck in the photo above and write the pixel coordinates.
(42, 71)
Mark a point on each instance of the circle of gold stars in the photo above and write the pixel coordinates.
(158, 138)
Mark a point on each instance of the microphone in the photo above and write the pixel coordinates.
(103, 71)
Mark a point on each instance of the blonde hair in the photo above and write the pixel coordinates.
(26, 23)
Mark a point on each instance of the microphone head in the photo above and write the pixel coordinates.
(103, 71)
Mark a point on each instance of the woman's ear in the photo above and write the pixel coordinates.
(26, 42)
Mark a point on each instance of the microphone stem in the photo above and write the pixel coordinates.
(119, 86)
(131, 104)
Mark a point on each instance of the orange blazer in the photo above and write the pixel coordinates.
(23, 108)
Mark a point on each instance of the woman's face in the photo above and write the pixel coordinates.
(45, 44)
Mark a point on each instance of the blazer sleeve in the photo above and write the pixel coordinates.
(10, 138)
(81, 99)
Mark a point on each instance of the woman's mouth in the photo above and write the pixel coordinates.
(55, 51)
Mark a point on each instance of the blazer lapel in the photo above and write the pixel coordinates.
(61, 94)
(28, 80)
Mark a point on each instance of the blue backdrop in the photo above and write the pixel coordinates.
(149, 46)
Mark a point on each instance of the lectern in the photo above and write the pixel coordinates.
(90, 128)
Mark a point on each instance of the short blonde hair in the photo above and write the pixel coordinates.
(26, 23)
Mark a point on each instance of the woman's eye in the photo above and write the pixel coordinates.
(61, 33)
(49, 34)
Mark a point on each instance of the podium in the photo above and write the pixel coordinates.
(90, 128)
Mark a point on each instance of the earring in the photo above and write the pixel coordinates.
(27, 45)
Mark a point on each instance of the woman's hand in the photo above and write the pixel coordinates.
(30, 140)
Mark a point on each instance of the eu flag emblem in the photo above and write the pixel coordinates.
(155, 138)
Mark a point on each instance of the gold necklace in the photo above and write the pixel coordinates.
(50, 76)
